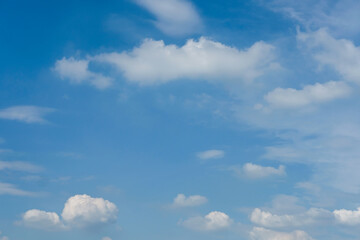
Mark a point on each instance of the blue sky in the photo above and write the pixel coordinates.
(177, 119)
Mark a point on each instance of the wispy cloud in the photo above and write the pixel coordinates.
(19, 166)
(27, 114)
(10, 189)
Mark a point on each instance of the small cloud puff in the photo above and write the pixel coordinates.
(182, 201)
(254, 171)
(214, 221)
(27, 114)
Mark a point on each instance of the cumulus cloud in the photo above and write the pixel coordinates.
(27, 114)
(19, 166)
(347, 217)
(173, 17)
(10, 189)
(77, 72)
(214, 221)
(310, 94)
(42, 220)
(340, 54)
(211, 154)
(310, 217)
(259, 233)
(255, 171)
(191, 201)
(80, 211)
(153, 62)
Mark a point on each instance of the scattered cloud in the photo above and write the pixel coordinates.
(27, 114)
(258, 233)
(77, 72)
(214, 221)
(80, 211)
(3, 237)
(10, 189)
(347, 217)
(309, 95)
(211, 154)
(255, 171)
(173, 17)
(19, 166)
(191, 201)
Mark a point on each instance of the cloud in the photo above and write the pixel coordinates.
(42, 220)
(173, 17)
(214, 221)
(106, 238)
(27, 114)
(182, 201)
(340, 54)
(3, 237)
(309, 95)
(347, 217)
(10, 189)
(211, 154)
(19, 166)
(310, 217)
(259, 233)
(80, 211)
(255, 171)
(153, 63)
(77, 72)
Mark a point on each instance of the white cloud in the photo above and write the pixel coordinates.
(10, 189)
(154, 62)
(182, 201)
(347, 217)
(310, 94)
(80, 211)
(310, 217)
(106, 238)
(19, 166)
(173, 17)
(42, 220)
(255, 171)
(340, 54)
(27, 114)
(214, 221)
(211, 154)
(259, 233)
(77, 72)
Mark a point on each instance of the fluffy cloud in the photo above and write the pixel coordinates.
(211, 154)
(347, 217)
(214, 221)
(27, 114)
(174, 17)
(255, 171)
(79, 211)
(340, 54)
(259, 233)
(310, 217)
(83, 210)
(153, 62)
(42, 220)
(10, 189)
(19, 166)
(310, 94)
(77, 72)
(182, 201)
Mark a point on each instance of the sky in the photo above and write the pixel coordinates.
(179, 119)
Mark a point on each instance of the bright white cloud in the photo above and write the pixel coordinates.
(83, 210)
(27, 114)
(173, 17)
(347, 217)
(182, 201)
(10, 189)
(42, 220)
(77, 72)
(19, 166)
(255, 171)
(80, 211)
(214, 221)
(340, 54)
(310, 94)
(310, 217)
(211, 154)
(259, 233)
(153, 62)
